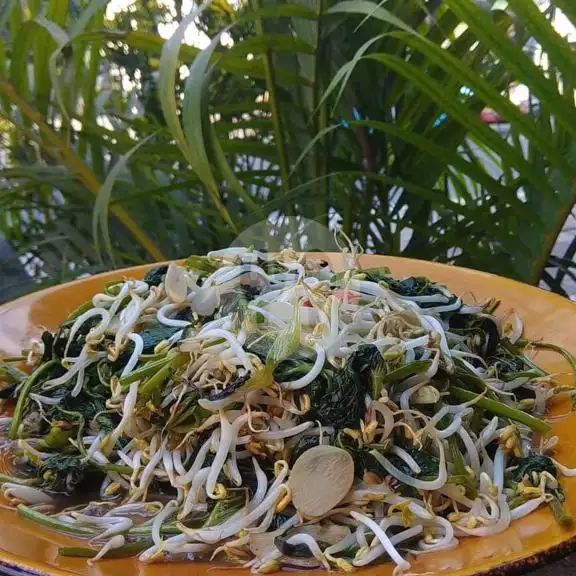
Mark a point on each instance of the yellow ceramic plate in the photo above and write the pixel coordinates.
(531, 541)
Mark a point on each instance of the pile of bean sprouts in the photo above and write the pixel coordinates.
(176, 492)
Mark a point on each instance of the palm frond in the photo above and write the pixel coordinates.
(355, 112)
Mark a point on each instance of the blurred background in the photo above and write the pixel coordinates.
(142, 130)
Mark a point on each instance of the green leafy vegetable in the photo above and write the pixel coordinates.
(155, 276)
(338, 396)
(224, 509)
(534, 463)
(306, 442)
(152, 336)
(62, 473)
(236, 304)
(379, 274)
(286, 342)
(337, 399)
(75, 347)
(399, 374)
(429, 464)
(293, 550)
(501, 409)
(507, 364)
(201, 264)
(413, 286)
(481, 330)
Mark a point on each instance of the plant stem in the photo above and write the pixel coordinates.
(514, 350)
(416, 367)
(17, 480)
(127, 550)
(460, 467)
(154, 382)
(148, 369)
(554, 348)
(167, 529)
(80, 310)
(23, 396)
(563, 517)
(119, 468)
(12, 375)
(466, 376)
(516, 501)
(53, 523)
(500, 409)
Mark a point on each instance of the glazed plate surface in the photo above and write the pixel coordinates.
(532, 541)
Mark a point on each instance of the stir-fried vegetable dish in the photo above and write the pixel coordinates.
(264, 410)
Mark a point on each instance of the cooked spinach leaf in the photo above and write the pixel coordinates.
(380, 274)
(507, 364)
(155, 276)
(534, 463)
(62, 473)
(224, 509)
(413, 286)
(62, 335)
(201, 264)
(429, 464)
(338, 396)
(48, 341)
(481, 332)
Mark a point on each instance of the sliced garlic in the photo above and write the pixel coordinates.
(320, 479)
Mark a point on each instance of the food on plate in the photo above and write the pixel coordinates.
(266, 410)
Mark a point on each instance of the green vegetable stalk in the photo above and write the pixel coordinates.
(11, 374)
(165, 529)
(155, 382)
(500, 409)
(130, 549)
(563, 517)
(460, 467)
(56, 438)
(416, 367)
(554, 348)
(16, 480)
(224, 509)
(54, 524)
(149, 369)
(514, 350)
(80, 310)
(119, 468)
